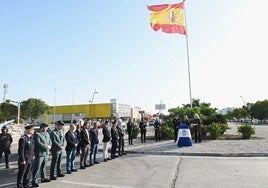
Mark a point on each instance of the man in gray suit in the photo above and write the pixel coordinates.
(41, 150)
(58, 142)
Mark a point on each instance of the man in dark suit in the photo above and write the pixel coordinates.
(25, 157)
(58, 142)
(94, 144)
(130, 129)
(72, 142)
(106, 140)
(42, 146)
(85, 140)
(115, 137)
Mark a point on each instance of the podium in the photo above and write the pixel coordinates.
(184, 136)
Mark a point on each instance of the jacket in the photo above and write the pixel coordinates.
(114, 134)
(94, 136)
(121, 131)
(5, 141)
(71, 140)
(58, 141)
(26, 149)
(42, 141)
(85, 138)
(106, 134)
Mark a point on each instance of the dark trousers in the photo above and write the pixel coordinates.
(93, 153)
(197, 135)
(143, 135)
(56, 160)
(121, 149)
(78, 149)
(39, 166)
(7, 152)
(113, 149)
(175, 134)
(84, 155)
(24, 174)
(130, 137)
(157, 135)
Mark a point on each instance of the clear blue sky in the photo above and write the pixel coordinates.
(77, 46)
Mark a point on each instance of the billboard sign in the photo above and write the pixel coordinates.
(160, 106)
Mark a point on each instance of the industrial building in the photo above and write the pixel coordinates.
(68, 113)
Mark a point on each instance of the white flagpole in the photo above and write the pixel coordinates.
(188, 59)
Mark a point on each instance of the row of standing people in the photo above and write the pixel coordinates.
(196, 123)
(34, 148)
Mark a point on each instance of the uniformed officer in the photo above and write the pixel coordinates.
(58, 142)
(42, 147)
(5, 144)
(25, 157)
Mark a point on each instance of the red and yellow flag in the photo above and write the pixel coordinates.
(168, 17)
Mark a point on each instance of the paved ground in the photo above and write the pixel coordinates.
(241, 147)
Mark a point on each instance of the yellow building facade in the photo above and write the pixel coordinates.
(72, 112)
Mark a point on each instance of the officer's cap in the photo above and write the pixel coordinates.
(60, 123)
(29, 126)
(4, 127)
(43, 125)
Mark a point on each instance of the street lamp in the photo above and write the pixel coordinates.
(243, 100)
(91, 102)
(18, 110)
(54, 109)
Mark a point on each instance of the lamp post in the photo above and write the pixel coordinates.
(91, 102)
(18, 110)
(243, 100)
(54, 110)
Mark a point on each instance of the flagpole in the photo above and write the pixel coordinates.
(188, 58)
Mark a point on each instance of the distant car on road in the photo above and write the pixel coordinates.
(151, 122)
(256, 121)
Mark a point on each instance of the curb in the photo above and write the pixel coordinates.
(200, 154)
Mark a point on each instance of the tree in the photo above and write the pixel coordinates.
(8, 111)
(33, 108)
(203, 109)
(259, 110)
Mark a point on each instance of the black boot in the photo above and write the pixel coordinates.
(7, 162)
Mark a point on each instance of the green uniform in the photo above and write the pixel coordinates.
(58, 141)
(42, 142)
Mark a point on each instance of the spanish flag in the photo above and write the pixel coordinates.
(168, 17)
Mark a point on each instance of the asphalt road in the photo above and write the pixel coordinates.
(142, 171)
(148, 170)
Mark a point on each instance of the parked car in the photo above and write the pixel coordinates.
(151, 122)
(256, 121)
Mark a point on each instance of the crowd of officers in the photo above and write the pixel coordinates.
(35, 147)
